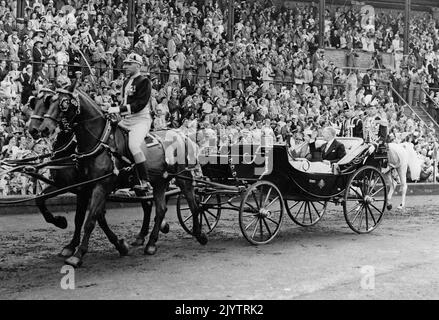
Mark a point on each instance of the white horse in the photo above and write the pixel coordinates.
(401, 157)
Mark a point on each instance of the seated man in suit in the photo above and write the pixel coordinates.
(332, 151)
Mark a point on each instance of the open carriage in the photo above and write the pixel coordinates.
(263, 183)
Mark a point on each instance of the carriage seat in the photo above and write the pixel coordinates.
(310, 167)
(352, 154)
(353, 147)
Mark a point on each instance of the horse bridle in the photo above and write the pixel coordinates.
(70, 99)
(43, 94)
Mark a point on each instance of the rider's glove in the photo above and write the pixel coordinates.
(113, 110)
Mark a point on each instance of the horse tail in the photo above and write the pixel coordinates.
(191, 149)
(414, 163)
(180, 149)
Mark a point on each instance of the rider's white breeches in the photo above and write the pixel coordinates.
(137, 134)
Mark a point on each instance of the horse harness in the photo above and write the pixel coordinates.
(108, 133)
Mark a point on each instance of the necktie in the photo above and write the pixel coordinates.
(327, 147)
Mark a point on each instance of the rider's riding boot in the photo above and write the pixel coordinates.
(142, 171)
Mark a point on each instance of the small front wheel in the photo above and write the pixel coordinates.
(210, 206)
(261, 212)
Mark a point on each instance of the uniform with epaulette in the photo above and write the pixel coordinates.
(135, 110)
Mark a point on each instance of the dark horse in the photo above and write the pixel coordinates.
(64, 176)
(103, 149)
(63, 146)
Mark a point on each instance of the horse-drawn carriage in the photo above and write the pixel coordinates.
(262, 183)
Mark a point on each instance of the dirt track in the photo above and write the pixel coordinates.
(324, 261)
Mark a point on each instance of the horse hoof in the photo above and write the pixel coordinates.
(138, 242)
(150, 250)
(389, 207)
(66, 252)
(60, 222)
(202, 239)
(73, 261)
(400, 207)
(123, 248)
(164, 228)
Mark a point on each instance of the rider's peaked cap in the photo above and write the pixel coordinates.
(134, 58)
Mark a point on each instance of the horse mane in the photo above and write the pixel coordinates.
(86, 98)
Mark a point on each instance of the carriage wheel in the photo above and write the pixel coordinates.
(365, 200)
(260, 214)
(211, 212)
(306, 213)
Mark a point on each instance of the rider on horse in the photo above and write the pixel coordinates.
(135, 94)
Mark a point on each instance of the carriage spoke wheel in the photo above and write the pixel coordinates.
(210, 213)
(306, 213)
(365, 200)
(261, 211)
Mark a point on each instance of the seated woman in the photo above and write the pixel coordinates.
(298, 148)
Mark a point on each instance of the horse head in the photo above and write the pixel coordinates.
(73, 111)
(62, 110)
(40, 105)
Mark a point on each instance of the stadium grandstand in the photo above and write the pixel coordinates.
(235, 70)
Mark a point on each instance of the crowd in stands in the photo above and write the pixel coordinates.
(271, 80)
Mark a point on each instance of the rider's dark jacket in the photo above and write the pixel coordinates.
(137, 96)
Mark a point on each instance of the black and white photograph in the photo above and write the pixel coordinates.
(219, 154)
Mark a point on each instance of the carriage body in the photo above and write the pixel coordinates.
(271, 172)
(250, 163)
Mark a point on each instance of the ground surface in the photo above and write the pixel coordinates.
(324, 261)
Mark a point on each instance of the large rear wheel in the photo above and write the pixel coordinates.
(365, 200)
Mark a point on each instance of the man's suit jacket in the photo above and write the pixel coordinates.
(189, 86)
(366, 84)
(352, 129)
(37, 56)
(335, 152)
(344, 130)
